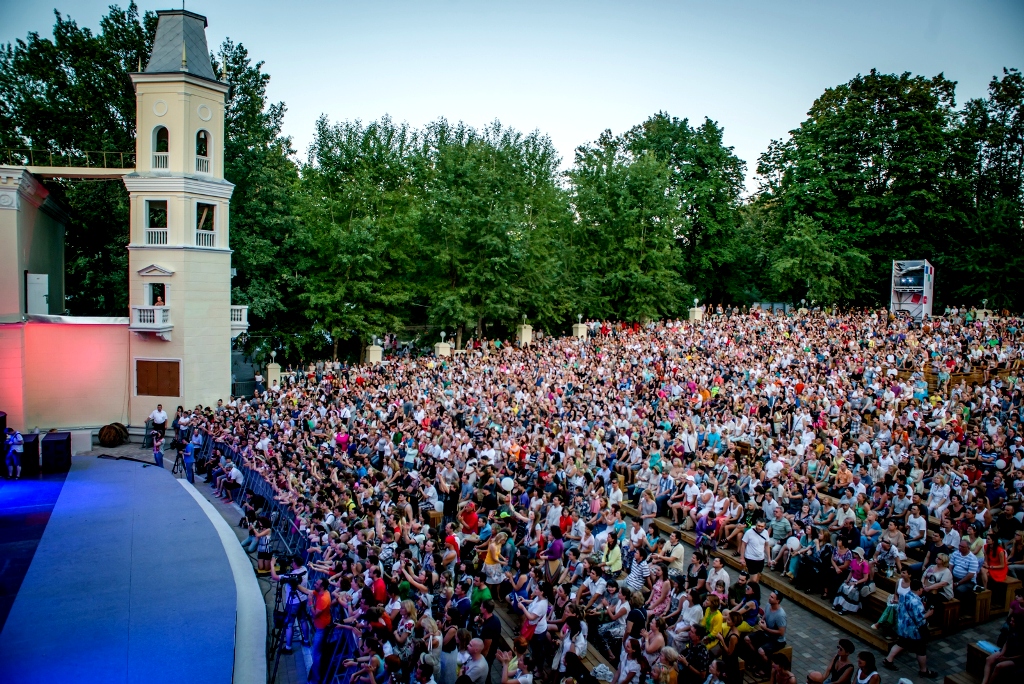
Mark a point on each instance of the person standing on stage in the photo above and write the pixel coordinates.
(15, 449)
(159, 418)
(158, 448)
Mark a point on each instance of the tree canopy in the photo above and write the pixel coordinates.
(386, 226)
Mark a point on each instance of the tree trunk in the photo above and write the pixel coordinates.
(458, 336)
(362, 353)
(335, 349)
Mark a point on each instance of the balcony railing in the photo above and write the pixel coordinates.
(239, 320)
(152, 319)
(202, 165)
(160, 160)
(206, 238)
(156, 236)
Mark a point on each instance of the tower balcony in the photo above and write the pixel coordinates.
(239, 320)
(155, 320)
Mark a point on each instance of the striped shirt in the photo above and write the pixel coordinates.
(962, 565)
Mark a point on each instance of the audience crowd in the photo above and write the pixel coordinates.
(438, 500)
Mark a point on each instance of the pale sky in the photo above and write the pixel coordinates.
(573, 69)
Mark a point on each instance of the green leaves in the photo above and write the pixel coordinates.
(811, 264)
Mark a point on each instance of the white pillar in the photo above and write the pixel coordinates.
(580, 330)
(374, 353)
(525, 334)
(273, 374)
(442, 349)
(696, 314)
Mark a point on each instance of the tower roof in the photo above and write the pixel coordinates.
(174, 29)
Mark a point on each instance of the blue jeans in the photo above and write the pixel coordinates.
(158, 456)
(190, 474)
(250, 544)
(314, 649)
(290, 613)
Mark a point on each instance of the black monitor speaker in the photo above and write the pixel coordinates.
(30, 459)
(56, 452)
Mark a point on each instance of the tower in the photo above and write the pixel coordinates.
(182, 321)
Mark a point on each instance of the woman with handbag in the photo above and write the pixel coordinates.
(857, 584)
(888, 618)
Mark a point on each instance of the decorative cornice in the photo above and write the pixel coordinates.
(180, 77)
(154, 270)
(17, 184)
(225, 250)
(183, 184)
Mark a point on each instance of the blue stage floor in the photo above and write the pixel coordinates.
(130, 583)
(25, 507)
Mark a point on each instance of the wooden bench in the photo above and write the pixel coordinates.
(750, 678)
(976, 658)
(1003, 594)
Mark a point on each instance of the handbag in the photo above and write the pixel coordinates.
(867, 589)
(528, 629)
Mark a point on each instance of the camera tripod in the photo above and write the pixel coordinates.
(179, 465)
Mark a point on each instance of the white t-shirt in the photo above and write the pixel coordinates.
(539, 607)
(916, 527)
(755, 544)
(158, 416)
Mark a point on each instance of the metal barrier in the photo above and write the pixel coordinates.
(287, 536)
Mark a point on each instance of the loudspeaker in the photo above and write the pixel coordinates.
(56, 452)
(3, 445)
(30, 459)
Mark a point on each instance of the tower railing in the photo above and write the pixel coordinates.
(156, 236)
(161, 160)
(206, 238)
(202, 165)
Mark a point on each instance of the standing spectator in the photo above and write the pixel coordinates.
(912, 628)
(752, 550)
(15, 449)
(159, 418)
(158, 448)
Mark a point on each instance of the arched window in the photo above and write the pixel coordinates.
(162, 140)
(203, 152)
(161, 147)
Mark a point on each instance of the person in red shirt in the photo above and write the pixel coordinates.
(470, 519)
(379, 587)
(320, 607)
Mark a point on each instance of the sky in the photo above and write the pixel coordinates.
(574, 69)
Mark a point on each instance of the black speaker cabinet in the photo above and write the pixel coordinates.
(30, 459)
(3, 446)
(56, 452)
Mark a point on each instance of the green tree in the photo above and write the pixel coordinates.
(870, 165)
(706, 185)
(626, 233)
(356, 240)
(69, 95)
(263, 205)
(814, 265)
(490, 219)
(987, 255)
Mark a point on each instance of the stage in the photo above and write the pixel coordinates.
(136, 579)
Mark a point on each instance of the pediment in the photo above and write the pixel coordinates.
(154, 270)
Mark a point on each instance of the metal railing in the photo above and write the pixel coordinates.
(206, 238)
(77, 159)
(161, 160)
(156, 236)
(202, 165)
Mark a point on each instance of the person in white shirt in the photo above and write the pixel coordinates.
(159, 418)
(752, 550)
(718, 574)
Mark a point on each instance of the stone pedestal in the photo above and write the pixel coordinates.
(580, 330)
(524, 334)
(442, 349)
(696, 314)
(273, 374)
(374, 353)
